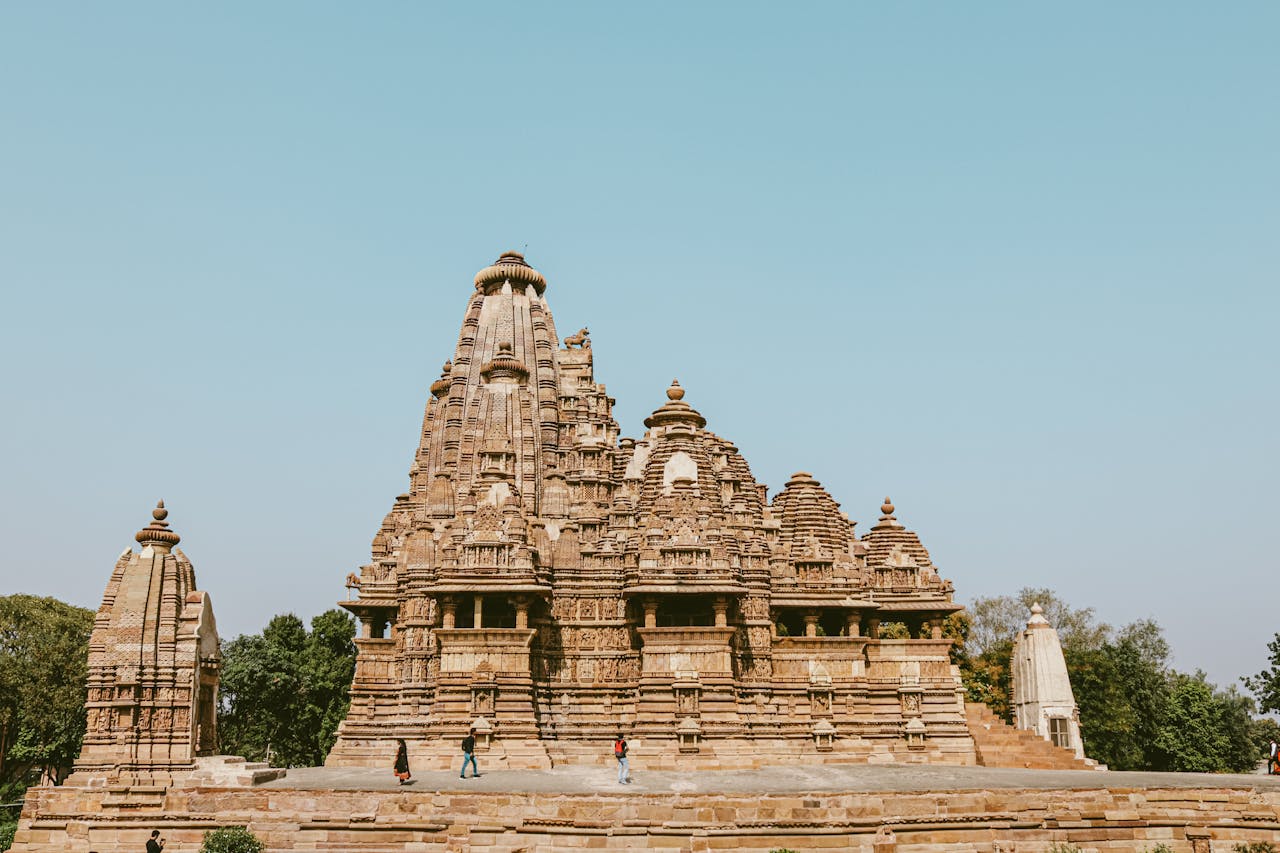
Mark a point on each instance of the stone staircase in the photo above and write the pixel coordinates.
(230, 771)
(999, 744)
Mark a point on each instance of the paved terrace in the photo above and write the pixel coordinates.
(774, 780)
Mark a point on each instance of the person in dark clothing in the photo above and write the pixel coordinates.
(402, 763)
(155, 844)
(469, 755)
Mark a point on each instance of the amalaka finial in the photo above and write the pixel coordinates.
(1036, 609)
(675, 392)
(158, 532)
(887, 507)
(1037, 619)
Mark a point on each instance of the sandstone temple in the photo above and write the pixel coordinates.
(553, 583)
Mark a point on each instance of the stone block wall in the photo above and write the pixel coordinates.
(1201, 820)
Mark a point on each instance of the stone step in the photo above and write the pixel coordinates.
(1000, 745)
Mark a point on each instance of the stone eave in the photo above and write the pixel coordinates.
(818, 600)
(684, 587)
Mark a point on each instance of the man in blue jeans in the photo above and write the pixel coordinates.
(469, 755)
(620, 753)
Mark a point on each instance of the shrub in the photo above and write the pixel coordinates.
(231, 839)
(1254, 847)
(7, 829)
(1159, 848)
(1063, 847)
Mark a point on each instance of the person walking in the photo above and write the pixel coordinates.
(1273, 760)
(469, 755)
(402, 762)
(155, 844)
(620, 753)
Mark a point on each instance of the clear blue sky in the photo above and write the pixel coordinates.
(1013, 265)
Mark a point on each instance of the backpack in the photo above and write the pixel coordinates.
(619, 747)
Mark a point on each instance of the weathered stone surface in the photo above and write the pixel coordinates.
(565, 584)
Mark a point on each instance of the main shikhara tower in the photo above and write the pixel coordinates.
(553, 584)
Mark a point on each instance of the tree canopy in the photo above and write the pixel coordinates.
(44, 651)
(1266, 684)
(286, 689)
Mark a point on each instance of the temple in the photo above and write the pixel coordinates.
(1043, 701)
(553, 584)
(153, 668)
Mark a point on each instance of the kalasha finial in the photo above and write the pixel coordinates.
(887, 507)
(158, 532)
(675, 392)
(1036, 609)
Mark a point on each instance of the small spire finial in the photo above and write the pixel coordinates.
(158, 532)
(887, 507)
(1036, 609)
(675, 392)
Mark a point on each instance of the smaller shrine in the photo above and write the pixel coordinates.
(1042, 698)
(153, 668)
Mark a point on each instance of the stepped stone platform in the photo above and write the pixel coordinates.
(998, 744)
(877, 809)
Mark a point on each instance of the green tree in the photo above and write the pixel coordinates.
(286, 689)
(1107, 717)
(1189, 739)
(1204, 730)
(231, 839)
(1262, 731)
(44, 648)
(1266, 684)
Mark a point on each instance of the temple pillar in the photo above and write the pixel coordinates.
(873, 628)
(721, 605)
(450, 610)
(854, 624)
(479, 612)
(650, 612)
(811, 623)
(522, 611)
(935, 628)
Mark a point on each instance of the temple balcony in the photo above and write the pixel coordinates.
(376, 663)
(796, 658)
(503, 651)
(704, 650)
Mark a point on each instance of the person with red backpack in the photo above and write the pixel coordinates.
(620, 753)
